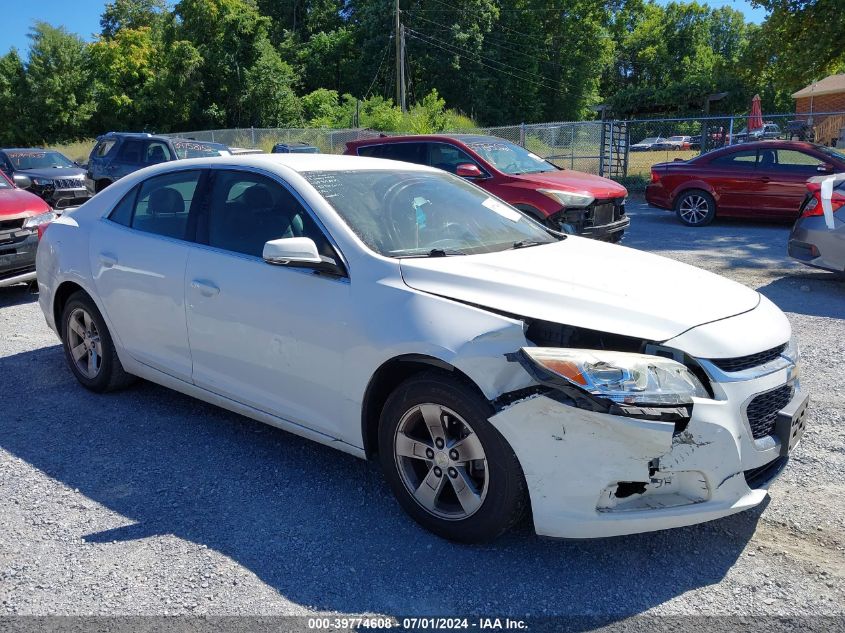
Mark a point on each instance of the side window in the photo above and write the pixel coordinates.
(130, 151)
(406, 152)
(163, 203)
(157, 152)
(795, 161)
(741, 160)
(122, 213)
(246, 210)
(373, 151)
(103, 148)
(448, 157)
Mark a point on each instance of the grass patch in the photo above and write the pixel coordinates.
(78, 150)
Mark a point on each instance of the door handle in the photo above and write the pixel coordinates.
(206, 288)
(107, 260)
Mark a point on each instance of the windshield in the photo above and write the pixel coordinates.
(414, 213)
(650, 139)
(38, 159)
(4, 183)
(196, 149)
(831, 152)
(510, 158)
(303, 150)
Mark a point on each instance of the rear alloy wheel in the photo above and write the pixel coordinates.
(89, 348)
(695, 208)
(448, 467)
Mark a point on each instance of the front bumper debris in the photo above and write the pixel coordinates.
(593, 474)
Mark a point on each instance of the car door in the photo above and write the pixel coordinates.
(138, 256)
(265, 335)
(733, 177)
(784, 173)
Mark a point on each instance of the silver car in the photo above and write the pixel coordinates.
(818, 236)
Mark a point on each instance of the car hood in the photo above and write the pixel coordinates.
(52, 172)
(17, 203)
(585, 283)
(569, 180)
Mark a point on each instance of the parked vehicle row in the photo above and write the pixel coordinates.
(23, 216)
(395, 311)
(763, 179)
(562, 199)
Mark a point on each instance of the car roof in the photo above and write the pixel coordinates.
(145, 135)
(180, 139)
(299, 163)
(463, 138)
(761, 144)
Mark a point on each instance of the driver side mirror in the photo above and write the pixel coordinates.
(468, 170)
(825, 168)
(299, 252)
(22, 182)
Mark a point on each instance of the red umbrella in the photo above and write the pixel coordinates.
(755, 119)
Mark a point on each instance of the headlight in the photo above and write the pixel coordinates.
(37, 220)
(569, 198)
(622, 377)
(42, 182)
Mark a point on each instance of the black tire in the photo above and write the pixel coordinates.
(504, 499)
(109, 374)
(695, 208)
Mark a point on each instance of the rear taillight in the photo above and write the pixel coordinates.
(41, 228)
(655, 177)
(814, 206)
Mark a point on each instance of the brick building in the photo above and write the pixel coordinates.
(826, 95)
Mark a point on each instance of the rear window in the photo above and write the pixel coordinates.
(406, 152)
(197, 149)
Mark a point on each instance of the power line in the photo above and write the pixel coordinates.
(477, 59)
(488, 59)
(489, 41)
(378, 70)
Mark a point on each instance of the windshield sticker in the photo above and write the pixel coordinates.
(26, 154)
(502, 209)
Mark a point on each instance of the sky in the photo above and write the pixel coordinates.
(84, 19)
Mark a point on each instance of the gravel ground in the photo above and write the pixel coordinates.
(149, 502)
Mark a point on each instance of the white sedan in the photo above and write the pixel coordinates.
(397, 312)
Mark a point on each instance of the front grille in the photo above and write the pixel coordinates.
(68, 183)
(762, 411)
(11, 225)
(607, 211)
(759, 477)
(7, 274)
(741, 363)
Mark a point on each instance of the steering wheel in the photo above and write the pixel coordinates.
(394, 207)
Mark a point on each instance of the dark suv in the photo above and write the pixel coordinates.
(117, 154)
(51, 176)
(294, 148)
(563, 199)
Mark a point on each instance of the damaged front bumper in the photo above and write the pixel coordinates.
(592, 474)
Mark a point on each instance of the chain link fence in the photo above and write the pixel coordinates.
(621, 149)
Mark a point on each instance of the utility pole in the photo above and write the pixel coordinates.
(398, 37)
(402, 97)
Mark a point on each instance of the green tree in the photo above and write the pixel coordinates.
(59, 86)
(269, 99)
(14, 101)
(131, 14)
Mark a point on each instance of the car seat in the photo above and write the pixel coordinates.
(767, 158)
(156, 155)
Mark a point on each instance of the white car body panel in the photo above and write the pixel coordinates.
(298, 350)
(553, 283)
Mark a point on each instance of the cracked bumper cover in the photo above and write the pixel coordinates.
(574, 459)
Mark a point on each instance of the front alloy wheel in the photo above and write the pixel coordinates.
(448, 467)
(441, 461)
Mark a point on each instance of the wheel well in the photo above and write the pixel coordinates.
(63, 293)
(534, 212)
(101, 184)
(386, 379)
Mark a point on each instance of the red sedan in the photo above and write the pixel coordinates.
(21, 214)
(764, 179)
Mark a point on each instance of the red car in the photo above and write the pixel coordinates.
(763, 179)
(563, 199)
(19, 231)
